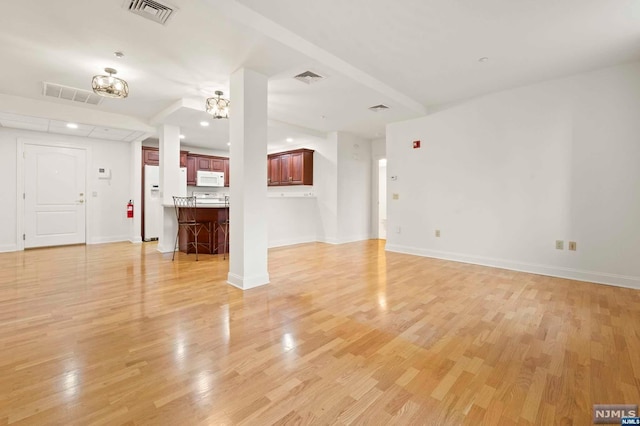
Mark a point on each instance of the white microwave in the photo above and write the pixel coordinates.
(207, 178)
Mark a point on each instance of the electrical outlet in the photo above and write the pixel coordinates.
(437, 233)
(573, 246)
(396, 196)
(559, 245)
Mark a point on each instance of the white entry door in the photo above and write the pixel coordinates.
(54, 183)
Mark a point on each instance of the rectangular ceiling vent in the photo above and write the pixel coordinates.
(377, 108)
(59, 91)
(152, 10)
(309, 77)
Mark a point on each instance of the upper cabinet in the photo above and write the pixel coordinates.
(290, 168)
(226, 172)
(196, 162)
(191, 170)
(151, 156)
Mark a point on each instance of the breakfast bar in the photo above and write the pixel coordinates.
(216, 214)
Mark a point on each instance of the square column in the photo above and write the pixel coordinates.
(248, 189)
(169, 147)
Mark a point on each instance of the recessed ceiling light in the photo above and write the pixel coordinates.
(483, 59)
(181, 136)
(118, 54)
(204, 123)
(72, 125)
(289, 139)
(228, 143)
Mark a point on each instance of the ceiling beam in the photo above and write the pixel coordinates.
(235, 11)
(61, 112)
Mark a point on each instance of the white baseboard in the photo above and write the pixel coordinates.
(553, 271)
(292, 241)
(343, 240)
(103, 240)
(327, 240)
(8, 248)
(136, 240)
(163, 249)
(246, 283)
(353, 238)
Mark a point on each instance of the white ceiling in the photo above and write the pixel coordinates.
(408, 54)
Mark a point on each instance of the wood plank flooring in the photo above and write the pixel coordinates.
(118, 334)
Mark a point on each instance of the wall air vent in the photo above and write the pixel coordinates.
(59, 91)
(377, 108)
(309, 77)
(152, 10)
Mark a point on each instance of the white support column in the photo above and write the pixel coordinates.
(169, 137)
(248, 189)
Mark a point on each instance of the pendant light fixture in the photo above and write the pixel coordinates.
(218, 107)
(110, 86)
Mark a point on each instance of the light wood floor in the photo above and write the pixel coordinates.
(118, 334)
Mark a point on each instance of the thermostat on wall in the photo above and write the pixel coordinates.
(104, 173)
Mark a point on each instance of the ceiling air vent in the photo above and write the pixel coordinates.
(59, 91)
(377, 108)
(152, 10)
(308, 77)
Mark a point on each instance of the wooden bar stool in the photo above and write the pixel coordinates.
(187, 219)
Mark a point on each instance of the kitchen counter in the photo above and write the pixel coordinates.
(203, 206)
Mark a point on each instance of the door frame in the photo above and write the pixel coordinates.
(375, 169)
(20, 168)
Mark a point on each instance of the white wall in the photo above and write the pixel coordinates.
(8, 171)
(291, 220)
(325, 182)
(106, 211)
(505, 175)
(294, 220)
(341, 209)
(354, 188)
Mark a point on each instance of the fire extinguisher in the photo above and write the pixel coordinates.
(130, 209)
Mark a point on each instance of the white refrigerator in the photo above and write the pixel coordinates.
(153, 200)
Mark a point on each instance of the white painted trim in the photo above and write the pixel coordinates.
(135, 240)
(163, 249)
(8, 248)
(354, 238)
(19, 192)
(293, 241)
(246, 283)
(327, 240)
(104, 240)
(553, 271)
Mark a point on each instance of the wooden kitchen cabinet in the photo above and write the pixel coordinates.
(203, 163)
(217, 164)
(210, 163)
(226, 172)
(273, 170)
(150, 156)
(290, 168)
(191, 170)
